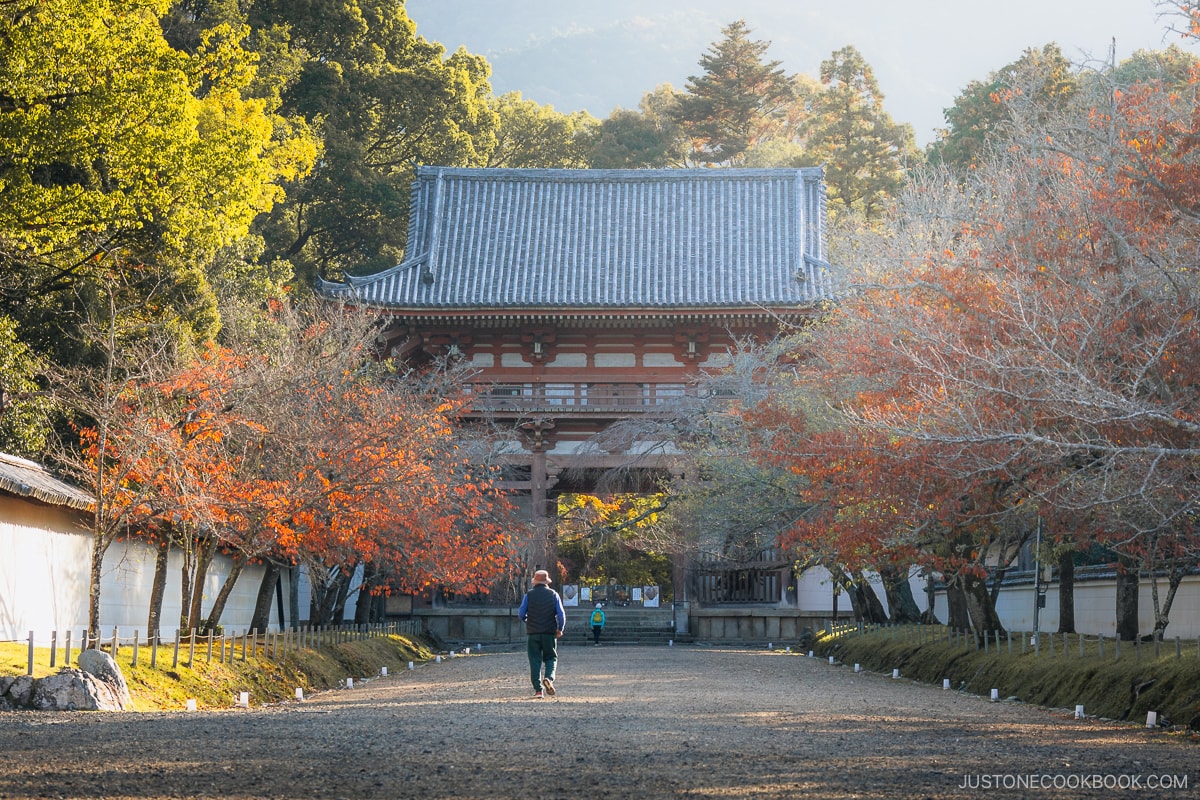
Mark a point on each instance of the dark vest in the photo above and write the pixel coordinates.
(540, 616)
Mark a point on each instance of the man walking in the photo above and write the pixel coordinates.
(544, 617)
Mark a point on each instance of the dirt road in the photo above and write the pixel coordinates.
(627, 722)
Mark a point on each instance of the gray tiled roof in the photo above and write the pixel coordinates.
(526, 239)
(27, 479)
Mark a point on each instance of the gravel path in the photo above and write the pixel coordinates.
(627, 722)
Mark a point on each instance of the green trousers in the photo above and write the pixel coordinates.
(543, 650)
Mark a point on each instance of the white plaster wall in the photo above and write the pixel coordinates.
(1096, 608)
(567, 360)
(616, 360)
(44, 558)
(660, 360)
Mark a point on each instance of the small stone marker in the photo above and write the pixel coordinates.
(349, 683)
(895, 673)
(1078, 712)
(191, 705)
(1151, 719)
(299, 693)
(858, 667)
(383, 671)
(945, 683)
(243, 700)
(410, 665)
(995, 695)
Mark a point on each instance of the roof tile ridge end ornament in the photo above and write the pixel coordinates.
(358, 281)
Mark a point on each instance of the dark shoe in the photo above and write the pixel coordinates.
(548, 685)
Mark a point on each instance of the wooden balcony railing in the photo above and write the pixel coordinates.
(581, 397)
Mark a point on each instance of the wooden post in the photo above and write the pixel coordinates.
(29, 668)
(175, 659)
(136, 636)
(191, 647)
(67, 654)
(154, 650)
(116, 645)
(54, 647)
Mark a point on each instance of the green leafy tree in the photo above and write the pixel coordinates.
(864, 150)
(533, 135)
(24, 406)
(650, 137)
(1174, 66)
(381, 99)
(127, 163)
(727, 108)
(1042, 77)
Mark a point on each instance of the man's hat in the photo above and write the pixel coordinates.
(541, 576)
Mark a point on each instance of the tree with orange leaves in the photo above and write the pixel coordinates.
(1025, 342)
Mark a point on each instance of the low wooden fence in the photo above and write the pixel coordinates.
(222, 647)
(1066, 645)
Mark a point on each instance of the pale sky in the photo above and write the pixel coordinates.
(594, 56)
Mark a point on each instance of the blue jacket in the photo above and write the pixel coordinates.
(594, 621)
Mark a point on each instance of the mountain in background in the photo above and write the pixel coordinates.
(577, 55)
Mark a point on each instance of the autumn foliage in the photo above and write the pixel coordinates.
(316, 455)
(1018, 348)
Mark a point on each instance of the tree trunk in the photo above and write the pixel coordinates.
(294, 595)
(957, 615)
(900, 599)
(865, 601)
(338, 616)
(95, 573)
(1066, 592)
(158, 590)
(206, 551)
(929, 616)
(218, 606)
(982, 611)
(1162, 615)
(185, 584)
(1127, 600)
(261, 619)
(366, 600)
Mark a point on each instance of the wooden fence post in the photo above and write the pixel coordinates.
(29, 668)
(54, 648)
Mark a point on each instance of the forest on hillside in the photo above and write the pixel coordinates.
(1014, 349)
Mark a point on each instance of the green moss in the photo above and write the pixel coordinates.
(213, 684)
(1122, 688)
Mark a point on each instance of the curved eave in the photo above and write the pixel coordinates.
(593, 315)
